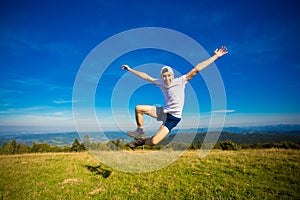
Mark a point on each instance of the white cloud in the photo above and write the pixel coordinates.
(59, 113)
(64, 101)
(20, 111)
(223, 111)
(38, 121)
(245, 119)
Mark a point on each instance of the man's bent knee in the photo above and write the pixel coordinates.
(142, 109)
(138, 108)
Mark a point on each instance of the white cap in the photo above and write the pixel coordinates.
(166, 69)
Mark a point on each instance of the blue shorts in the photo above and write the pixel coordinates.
(171, 121)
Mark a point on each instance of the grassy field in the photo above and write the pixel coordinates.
(244, 174)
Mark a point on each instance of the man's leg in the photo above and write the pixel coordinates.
(158, 137)
(170, 123)
(140, 110)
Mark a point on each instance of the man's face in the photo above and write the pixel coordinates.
(167, 77)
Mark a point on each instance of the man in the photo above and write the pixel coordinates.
(173, 90)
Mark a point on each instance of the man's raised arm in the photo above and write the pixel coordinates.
(142, 75)
(200, 66)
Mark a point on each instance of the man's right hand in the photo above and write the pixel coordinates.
(125, 67)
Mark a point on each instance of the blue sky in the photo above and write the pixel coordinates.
(43, 44)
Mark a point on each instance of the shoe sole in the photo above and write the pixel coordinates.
(139, 137)
(136, 137)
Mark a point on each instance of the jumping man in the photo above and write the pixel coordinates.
(173, 91)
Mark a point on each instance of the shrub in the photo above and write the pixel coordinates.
(228, 145)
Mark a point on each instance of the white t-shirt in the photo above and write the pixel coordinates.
(174, 95)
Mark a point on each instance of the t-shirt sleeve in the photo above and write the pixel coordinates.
(184, 81)
(157, 82)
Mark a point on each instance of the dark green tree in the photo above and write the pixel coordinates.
(7, 148)
(23, 148)
(76, 145)
(41, 148)
(14, 146)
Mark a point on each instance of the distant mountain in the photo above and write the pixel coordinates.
(61, 139)
(245, 138)
(248, 129)
(248, 135)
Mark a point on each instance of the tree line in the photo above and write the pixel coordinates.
(12, 147)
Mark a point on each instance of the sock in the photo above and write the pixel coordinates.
(140, 130)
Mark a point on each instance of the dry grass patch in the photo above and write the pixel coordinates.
(72, 181)
(97, 191)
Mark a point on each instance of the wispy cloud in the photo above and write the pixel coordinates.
(60, 101)
(8, 111)
(58, 113)
(38, 116)
(29, 82)
(22, 41)
(37, 120)
(246, 119)
(26, 110)
(223, 111)
(9, 92)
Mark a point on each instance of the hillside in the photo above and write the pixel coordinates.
(244, 174)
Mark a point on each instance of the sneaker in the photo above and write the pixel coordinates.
(136, 134)
(136, 143)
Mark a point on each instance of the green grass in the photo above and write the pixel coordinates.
(244, 174)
